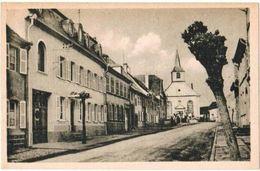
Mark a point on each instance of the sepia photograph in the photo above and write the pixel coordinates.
(118, 84)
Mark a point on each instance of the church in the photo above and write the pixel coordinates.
(183, 100)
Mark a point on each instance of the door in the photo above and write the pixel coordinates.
(72, 107)
(40, 109)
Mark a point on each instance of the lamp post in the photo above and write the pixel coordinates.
(82, 96)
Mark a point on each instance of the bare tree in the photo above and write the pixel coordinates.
(210, 50)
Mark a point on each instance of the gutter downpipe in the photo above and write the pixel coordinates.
(28, 94)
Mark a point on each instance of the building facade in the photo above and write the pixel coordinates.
(158, 108)
(17, 50)
(241, 84)
(64, 59)
(117, 99)
(183, 98)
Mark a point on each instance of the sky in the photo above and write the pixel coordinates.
(147, 39)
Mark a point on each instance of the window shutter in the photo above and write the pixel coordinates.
(7, 55)
(23, 61)
(78, 73)
(86, 111)
(90, 111)
(22, 114)
(64, 69)
(58, 66)
(58, 107)
(68, 70)
(93, 112)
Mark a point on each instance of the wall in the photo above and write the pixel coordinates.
(49, 82)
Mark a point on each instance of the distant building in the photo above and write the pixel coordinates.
(183, 98)
(155, 85)
(117, 98)
(214, 112)
(16, 76)
(204, 113)
(139, 102)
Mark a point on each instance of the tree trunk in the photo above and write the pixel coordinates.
(225, 119)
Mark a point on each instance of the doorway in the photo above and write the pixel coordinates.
(40, 110)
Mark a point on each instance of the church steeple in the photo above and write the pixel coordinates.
(177, 73)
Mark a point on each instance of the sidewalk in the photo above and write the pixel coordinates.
(47, 150)
(220, 150)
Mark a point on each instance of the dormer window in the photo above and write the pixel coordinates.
(178, 75)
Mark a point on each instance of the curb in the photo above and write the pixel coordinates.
(213, 150)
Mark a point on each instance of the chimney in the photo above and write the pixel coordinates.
(125, 66)
(191, 85)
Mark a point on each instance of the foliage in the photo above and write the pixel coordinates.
(208, 48)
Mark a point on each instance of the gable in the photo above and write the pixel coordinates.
(180, 89)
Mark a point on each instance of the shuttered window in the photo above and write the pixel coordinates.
(12, 58)
(60, 106)
(11, 114)
(23, 61)
(22, 114)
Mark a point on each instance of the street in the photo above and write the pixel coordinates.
(154, 147)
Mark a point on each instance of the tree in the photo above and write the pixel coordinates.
(210, 50)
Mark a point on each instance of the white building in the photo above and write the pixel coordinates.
(183, 99)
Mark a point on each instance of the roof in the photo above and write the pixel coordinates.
(136, 86)
(180, 89)
(13, 36)
(177, 67)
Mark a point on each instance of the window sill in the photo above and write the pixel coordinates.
(62, 120)
(41, 72)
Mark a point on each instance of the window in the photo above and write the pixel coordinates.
(125, 91)
(102, 113)
(88, 78)
(112, 85)
(178, 75)
(81, 75)
(41, 56)
(107, 84)
(116, 113)
(62, 67)
(121, 89)
(95, 112)
(72, 71)
(11, 114)
(89, 112)
(12, 58)
(80, 110)
(117, 87)
(62, 107)
(95, 81)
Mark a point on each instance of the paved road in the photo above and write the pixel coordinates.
(144, 148)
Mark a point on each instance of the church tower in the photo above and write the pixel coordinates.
(177, 74)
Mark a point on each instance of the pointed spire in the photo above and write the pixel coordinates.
(177, 66)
